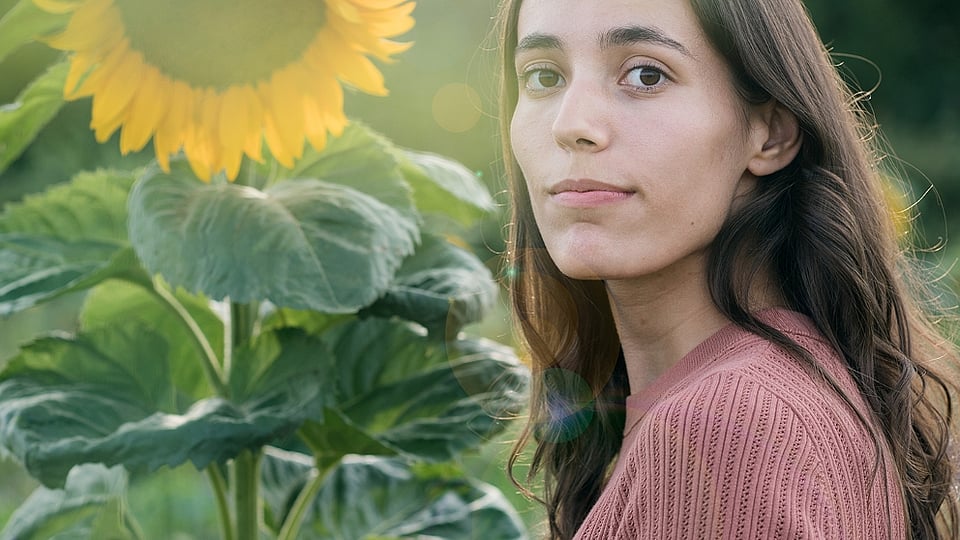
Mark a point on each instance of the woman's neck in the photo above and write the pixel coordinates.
(660, 318)
(659, 323)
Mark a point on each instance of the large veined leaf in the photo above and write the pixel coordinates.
(107, 397)
(424, 398)
(89, 507)
(336, 436)
(37, 104)
(25, 22)
(68, 238)
(275, 360)
(92, 206)
(362, 160)
(35, 269)
(304, 244)
(444, 186)
(115, 301)
(440, 286)
(367, 498)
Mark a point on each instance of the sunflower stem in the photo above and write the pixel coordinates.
(219, 486)
(246, 466)
(238, 331)
(133, 526)
(291, 525)
(246, 495)
(209, 361)
(243, 320)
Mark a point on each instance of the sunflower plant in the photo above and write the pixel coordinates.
(277, 297)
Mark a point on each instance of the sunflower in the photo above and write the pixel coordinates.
(217, 78)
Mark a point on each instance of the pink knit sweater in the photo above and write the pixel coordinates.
(739, 440)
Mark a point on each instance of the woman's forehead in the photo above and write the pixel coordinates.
(602, 23)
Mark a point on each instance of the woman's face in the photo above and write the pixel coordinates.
(630, 134)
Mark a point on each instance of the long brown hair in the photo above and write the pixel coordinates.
(820, 225)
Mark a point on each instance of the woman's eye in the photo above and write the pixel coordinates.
(538, 80)
(644, 77)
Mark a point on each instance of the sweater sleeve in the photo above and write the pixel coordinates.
(726, 458)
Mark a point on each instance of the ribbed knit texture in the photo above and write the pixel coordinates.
(739, 440)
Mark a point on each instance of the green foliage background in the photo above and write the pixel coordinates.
(910, 53)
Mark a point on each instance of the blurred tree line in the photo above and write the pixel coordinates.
(913, 50)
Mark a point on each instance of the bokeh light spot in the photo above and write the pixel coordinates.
(456, 107)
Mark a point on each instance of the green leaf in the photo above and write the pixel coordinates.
(68, 238)
(423, 398)
(444, 186)
(304, 244)
(276, 359)
(128, 359)
(362, 160)
(440, 286)
(37, 104)
(367, 498)
(90, 506)
(24, 22)
(92, 206)
(282, 475)
(311, 322)
(115, 301)
(337, 436)
(106, 397)
(35, 269)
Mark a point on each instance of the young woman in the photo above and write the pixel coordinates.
(725, 339)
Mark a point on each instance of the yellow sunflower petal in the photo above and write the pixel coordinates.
(392, 22)
(350, 66)
(252, 146)
(230, 163)
(345, 9)
(80, 66)
(286, 103)
(118, 89)
(199, 154)
(163, 155)
(316, 126)
(271, 134)
(199, 164)
(381, 48)
(103, 69)
(362, 74)
(207, 132)
(378, 4)
(85, 29)
(145, 111)
(103, 131)
(58, 7)
(315, 106)
(172, 127)
(234, 122)
(275, 142)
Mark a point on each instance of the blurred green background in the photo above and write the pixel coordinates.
(443, 100)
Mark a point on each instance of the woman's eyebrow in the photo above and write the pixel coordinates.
(615, 37)
(630, 35)
(539, 41)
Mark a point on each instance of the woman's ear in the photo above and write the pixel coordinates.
(781, 136)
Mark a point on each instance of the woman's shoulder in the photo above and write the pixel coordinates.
(761, 395)
(745, 360)
(754, 439)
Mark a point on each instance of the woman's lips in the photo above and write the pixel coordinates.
(585, 193)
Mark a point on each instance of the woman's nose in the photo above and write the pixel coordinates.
(580, 123)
